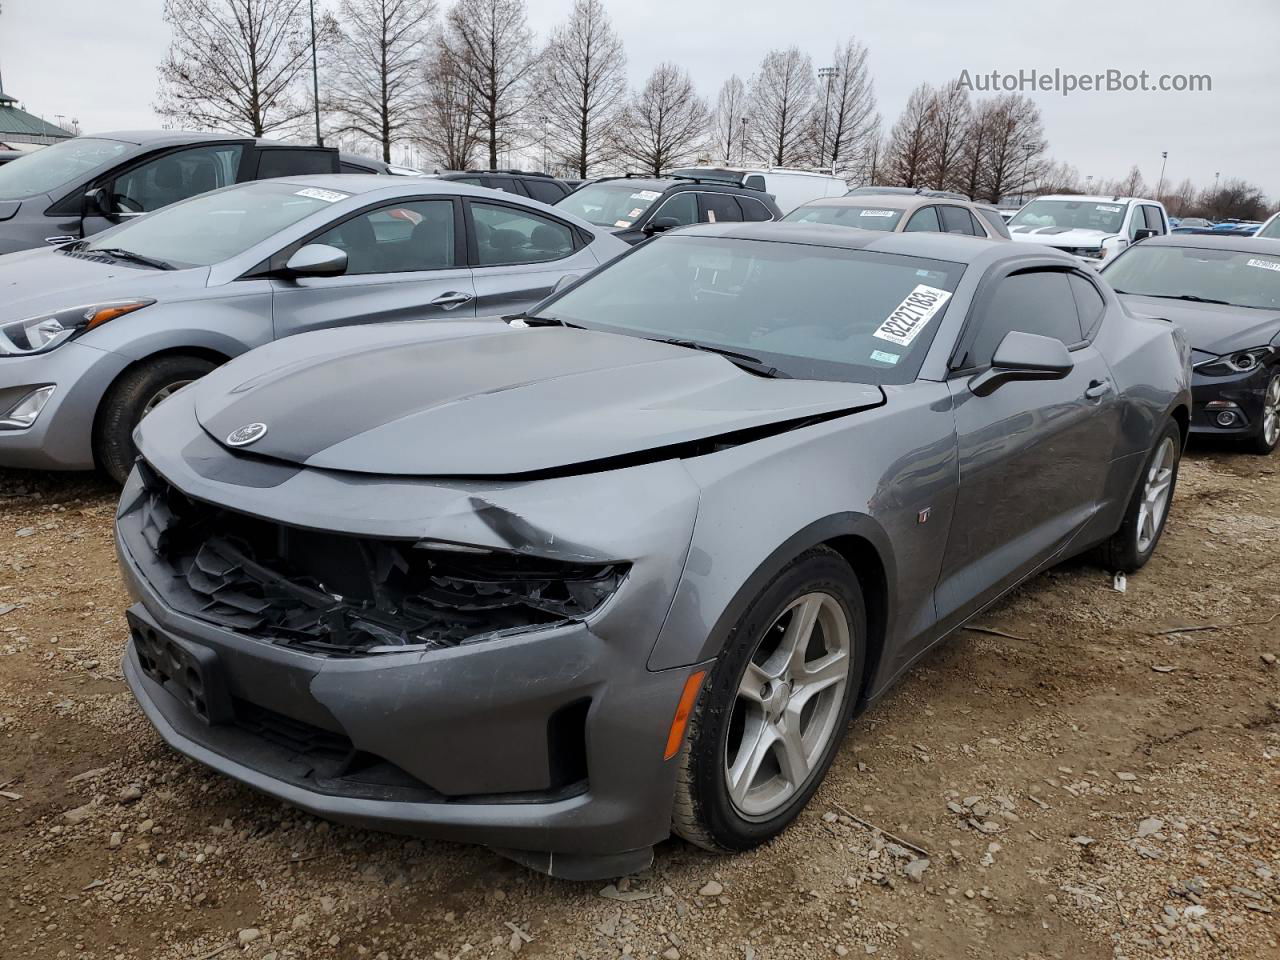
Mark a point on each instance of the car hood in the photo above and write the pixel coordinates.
(1211, 327)
(40, 281)
(481, 399)
(1060, 236)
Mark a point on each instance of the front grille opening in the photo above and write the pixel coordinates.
(567, 744)
(346, 595)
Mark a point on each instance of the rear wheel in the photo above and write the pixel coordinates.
(767, 725)
(1148, 510)
(138, 392)
(1268, 436)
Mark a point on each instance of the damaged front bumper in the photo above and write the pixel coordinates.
(542, 738)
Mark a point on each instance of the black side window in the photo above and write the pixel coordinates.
(755, 182)
(1089, 303)
(1038, 301)
(293, 163)
(505, 184)
(957, 220)
(506, 235)
(995, 222)
(401, 238)
(719, 208)
(1154, 220)
(345, 167)
(753, 211)
(681, 207)
(547, 191)
(924, 219)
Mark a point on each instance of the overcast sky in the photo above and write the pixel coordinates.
(96, 61)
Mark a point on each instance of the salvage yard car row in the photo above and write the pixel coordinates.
(706, 487)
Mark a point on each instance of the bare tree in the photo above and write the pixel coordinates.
(1234, 198)
(1015, 147)
(492, 45)
(584, 84)
(1056, 178)
(1181, 198)
(665, 122)
(949, 128)
(848, 111)
(781, 105)
(726, 122)
(448, 123)
(977, 144)
(376, 68)
(909, 151)
(235, 65)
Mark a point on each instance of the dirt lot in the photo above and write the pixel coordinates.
(1084, 786)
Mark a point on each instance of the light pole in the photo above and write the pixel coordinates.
(545, 121)
(1164, 157)
(742, 149)
(1026, 162)
(826, 74)
(315, 74)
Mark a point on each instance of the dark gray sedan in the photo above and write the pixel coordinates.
(628, 565)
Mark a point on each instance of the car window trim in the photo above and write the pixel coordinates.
(982, 298)
(273, 264)
(741, 200)
(473, 250)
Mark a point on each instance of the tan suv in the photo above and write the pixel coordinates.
(899, 213)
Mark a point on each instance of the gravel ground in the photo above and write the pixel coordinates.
(1080, 783)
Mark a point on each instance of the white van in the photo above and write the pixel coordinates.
(789, 188)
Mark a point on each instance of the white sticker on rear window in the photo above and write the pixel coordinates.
(912, 315)
(646, 195)
(877, 213)
(881, 357)
(622, 223)
(1107, 208)
(1264, 264)
(328, 196)
(711, 216)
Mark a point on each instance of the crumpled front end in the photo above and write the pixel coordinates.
(454, 660)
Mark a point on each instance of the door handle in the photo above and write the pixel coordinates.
(1098, 389)
(451, 300)
(58, 241)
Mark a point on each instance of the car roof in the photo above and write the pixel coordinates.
(152, 138)
(889, 201)
(353, 183)
(1217, 241)
(1092, 198)
(954, 248)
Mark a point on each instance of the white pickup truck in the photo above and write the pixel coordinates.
(1094, 229)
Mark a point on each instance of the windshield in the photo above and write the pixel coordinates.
(216, 226)
(1270, 229)
(869, 217)
(615, 203)
(1230, 276)
(44, 171)
(812, 312)
(1071, 215)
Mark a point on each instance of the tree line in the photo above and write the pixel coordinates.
(470, 83)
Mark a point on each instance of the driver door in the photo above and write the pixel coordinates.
(1033, 455)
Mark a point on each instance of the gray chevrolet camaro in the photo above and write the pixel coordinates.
(628, 565)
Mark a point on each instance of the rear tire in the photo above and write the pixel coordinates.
(1268, 436)
(1148, 511)
(751, 760)
(130, 399)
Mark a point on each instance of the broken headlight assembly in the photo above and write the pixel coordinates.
(344, 595)
(42, 333)
(1239, 361)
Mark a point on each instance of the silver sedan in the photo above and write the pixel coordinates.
(95, 333)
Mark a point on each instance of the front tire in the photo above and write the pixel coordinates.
(1148, 511)
(1268, 436)
(771, 717)
(130, 399)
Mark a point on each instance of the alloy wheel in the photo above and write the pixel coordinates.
(1271, 412)
(1155, 494)
(164, 393)
(788, 705)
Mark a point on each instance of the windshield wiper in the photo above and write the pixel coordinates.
(129, 255)
(530, 321)
(1189, 296)
(743, 360)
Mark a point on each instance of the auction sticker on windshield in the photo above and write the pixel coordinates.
(912, 315)
(328, 196)
(1107, 208)
(1264, 264)
(646, 195)
(877, 213)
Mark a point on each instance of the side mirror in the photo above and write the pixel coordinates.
(97, 203)
(1023, 356)
(1143, 234)
(660, 225)
(317, 260)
